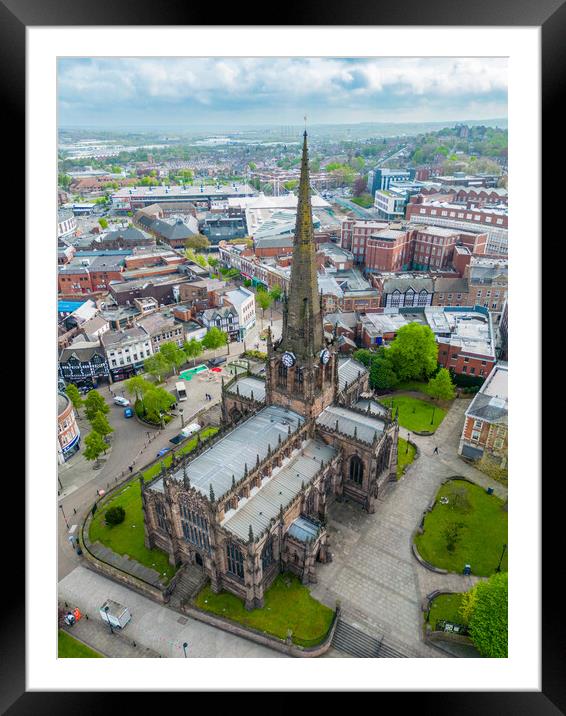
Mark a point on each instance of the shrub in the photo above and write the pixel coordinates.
(115, 515)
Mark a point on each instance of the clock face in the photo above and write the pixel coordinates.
(324, 356)
(288, 359)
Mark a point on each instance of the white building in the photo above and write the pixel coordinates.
(244, 303)
(126, 351)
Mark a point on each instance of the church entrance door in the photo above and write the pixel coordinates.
(198, 559)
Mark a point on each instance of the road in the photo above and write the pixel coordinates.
(134, 443)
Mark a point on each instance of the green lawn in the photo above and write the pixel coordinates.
(288, 605)
(404, 457)
(482, 535)
(415, 414)
(446, 606)
(128, 537)
(70, 648)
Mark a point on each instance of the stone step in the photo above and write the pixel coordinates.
(355, 642)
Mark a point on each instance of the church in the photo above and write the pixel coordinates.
(254, 501)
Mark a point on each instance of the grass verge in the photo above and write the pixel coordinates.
(70, 648)
(288, 605)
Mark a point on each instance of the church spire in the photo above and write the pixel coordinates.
(303, 332)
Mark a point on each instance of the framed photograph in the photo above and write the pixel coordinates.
(268, 272)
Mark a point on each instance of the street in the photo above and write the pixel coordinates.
(133, 443)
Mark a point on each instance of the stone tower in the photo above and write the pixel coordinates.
(301, 371)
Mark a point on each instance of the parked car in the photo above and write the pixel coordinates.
(213, 362)
(128, 413)
(118, 400)
(163, 452)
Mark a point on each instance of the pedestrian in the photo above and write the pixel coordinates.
(74, 510)
(130, 468)
(435, 451)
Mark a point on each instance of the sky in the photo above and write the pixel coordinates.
(109, 92)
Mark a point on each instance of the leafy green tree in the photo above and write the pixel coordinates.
(157, 366)
(381, 374)
(138, 386)
(95, 403)
(263, 299)
(103, 223)
(173, 355)
(64, 181)
(198, 241)
(290, 185)
(441, 386)
(115, 515)
(214, 339)
(94, 446)
(101, 425)
(485, 607)
(201, 261)
(213, 262)
(414, 352)
(364, 356)
(192, 349)
(155, 402)
(276, 292)
(451, 534)
(74, 396)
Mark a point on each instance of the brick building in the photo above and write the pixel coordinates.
(486, 424)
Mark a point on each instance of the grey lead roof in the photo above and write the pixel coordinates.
(303, 529)
(247, 385)
(239, 447)
(366, 426)
(348, 371)
(280, 489)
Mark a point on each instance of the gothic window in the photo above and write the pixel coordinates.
(161, 519)
(267, 554)
(409, 297)
(422, 298)
(235, 561)
(299, 377)
(395, 298)
(195, 528)
(356, 469)
(282, 375)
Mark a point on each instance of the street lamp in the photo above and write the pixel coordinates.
(63, 513)
(498, 569)
(408, 438)
(182, 418)
(185, 645)
(432, 419)
(106, 608)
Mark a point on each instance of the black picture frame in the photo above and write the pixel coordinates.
(550, 16)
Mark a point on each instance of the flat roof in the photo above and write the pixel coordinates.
(248, 385)
(366, 427)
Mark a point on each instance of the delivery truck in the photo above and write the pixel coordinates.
(185, 433)
(115, 614)
(181, 390)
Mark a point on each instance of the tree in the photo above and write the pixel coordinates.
(101, 425)
(103, 223)
(414, 352)
(138, 386)
(441, 386)
(363, 356)
(381, 374)
(198, 241)
(173, 355)
(451, 534)
(359, 187)
(74, 396)
(64, 181)
(192, 349)
(486, 608)
(213, 262)
(201, 260)
(156, 365)
(290, 185)
(94, 446)
(214, 339)
(190, 254)
(276, 292)
(263, 299)
(95, 403)
(115, 515)
(155, 402)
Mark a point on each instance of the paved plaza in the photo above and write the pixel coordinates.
(374, 573)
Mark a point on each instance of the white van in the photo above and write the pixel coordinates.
(189, 430)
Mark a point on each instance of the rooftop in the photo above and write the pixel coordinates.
(365, 427)
(281, 488)
(247, 386)
(240, 447)
(491, 403)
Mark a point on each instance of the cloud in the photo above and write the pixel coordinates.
(272, 86)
